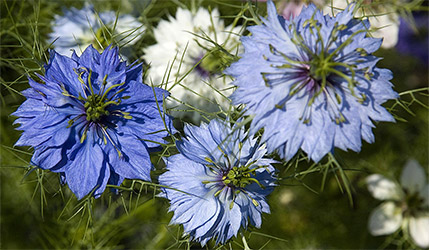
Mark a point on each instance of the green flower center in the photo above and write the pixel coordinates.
(214, 61)
(320, 68)
(236, 179)
(239, 177)
(95, 107)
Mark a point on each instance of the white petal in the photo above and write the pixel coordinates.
(382, 188)
(413, 177)
(385, 219)
(387, 27)
(419, 230)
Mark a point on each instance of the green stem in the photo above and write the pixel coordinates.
(246, 247)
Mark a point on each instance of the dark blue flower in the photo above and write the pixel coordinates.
(92, 119)
(311, 82)
(218, 182)
(415, 40)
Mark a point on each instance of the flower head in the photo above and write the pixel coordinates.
(92, 119)
(311, 82)
(218, 182)
(406, 205)
(77, 29)
(184, 42)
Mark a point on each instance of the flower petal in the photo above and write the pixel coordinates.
(198, 144)
(419, 230)
(134, 162)
(382, 188)
(385, 219)
(87, 170)
(413, 177)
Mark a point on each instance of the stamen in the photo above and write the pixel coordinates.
(85, 130)
(111, 141)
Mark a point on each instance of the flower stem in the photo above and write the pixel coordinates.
(246, 247)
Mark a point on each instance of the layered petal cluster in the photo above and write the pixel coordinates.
(92, 119)
(76, 29)
(218, 182)
(182, 43)
(406, 204)
(312, 82)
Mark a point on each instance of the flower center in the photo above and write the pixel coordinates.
(235, 179)
(95, 107)
(95, 100)
(413, 203)
(320, 69)
(239, 177)
(214, 61)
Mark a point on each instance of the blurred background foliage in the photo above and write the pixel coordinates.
(38, 212)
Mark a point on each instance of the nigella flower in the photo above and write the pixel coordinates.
(93, 120)
(311, 82)
(77, 29)
(406, 204)
(218, 182)
(182, 43)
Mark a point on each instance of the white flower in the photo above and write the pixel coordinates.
(406, 205)
(180, 47)
(382, 17)
(77, 29)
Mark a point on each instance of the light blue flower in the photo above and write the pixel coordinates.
(93, 120)
(78, 28)
(312, 83)
(218, 182)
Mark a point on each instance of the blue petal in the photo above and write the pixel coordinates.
(198, 144)
(87, 170)
(134, 161)
(61, 69)
(47, 158)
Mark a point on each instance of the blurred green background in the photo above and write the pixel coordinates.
(37, 212)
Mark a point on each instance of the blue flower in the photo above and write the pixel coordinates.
(414, 40)
(218, 182)
(311, 82)
(78, 28)
(93, 120)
